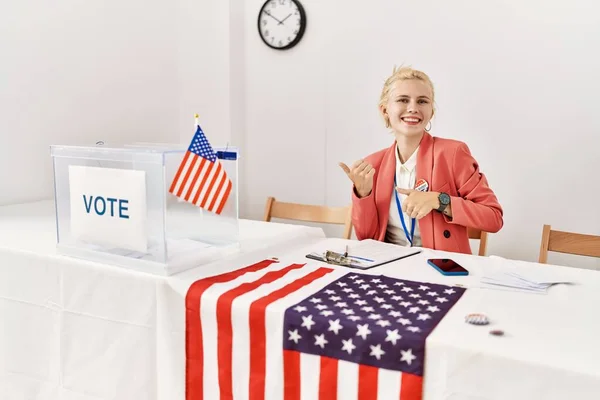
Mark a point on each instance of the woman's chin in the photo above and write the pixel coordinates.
(409, 131)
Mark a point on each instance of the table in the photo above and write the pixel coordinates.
(83, 331)
(549, 350)
(77, 330)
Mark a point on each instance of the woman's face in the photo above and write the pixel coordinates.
(409, 107)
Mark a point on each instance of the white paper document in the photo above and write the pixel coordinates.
(516, 281)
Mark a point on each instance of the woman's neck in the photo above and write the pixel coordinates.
(407, 145)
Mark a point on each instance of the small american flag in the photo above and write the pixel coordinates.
(274, 331)
(201, 179)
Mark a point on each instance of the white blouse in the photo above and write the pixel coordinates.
(406, 175)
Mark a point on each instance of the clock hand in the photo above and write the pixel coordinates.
(269, 14)
(281, 22)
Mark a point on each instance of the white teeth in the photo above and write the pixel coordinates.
(411, 119)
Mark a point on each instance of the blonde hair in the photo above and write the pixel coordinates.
(402, 74)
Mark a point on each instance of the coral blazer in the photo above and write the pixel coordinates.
(448, 166)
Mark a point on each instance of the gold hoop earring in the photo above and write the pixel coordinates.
(429, 123)
(387, 122)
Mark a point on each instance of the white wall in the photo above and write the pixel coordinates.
(74, 72)
(515, 80)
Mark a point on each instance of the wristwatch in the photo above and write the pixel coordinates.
(444, 199)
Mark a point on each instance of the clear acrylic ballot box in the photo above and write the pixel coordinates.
(113, 205)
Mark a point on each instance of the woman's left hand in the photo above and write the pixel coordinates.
(418, 204)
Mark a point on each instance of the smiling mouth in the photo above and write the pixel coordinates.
(411, 120)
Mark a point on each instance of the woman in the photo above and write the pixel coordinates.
(421, 191)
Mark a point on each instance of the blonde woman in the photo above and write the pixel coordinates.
(422, 190)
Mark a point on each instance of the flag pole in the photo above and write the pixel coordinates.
(201, 211)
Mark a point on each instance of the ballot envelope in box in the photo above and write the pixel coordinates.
(154, 208)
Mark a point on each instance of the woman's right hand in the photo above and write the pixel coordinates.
(361, 174)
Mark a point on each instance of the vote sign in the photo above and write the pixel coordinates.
(108, 207)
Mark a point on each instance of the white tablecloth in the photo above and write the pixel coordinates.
(549, 350)
(77, 330)
(82, 331)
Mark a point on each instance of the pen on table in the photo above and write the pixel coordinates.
(355, 257)
(361, 258)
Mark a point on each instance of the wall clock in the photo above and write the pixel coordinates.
(281, 23)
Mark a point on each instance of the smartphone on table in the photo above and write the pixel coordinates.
(446, 266)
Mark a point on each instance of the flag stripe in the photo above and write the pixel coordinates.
(214, 171)
(211, 192)
(222, 179)
(187, 176)
(309, 373)
(225, 197)
(193, 343)
(291, 375)
(348, 380)
(222, 190)
(179, 170)
(193, 183)
(367, 382)
(411, 387)
(211, 185)
(258, 330)
(328, 379)
(194, 169)
(202, 186)
(224, 327)
(388, 384)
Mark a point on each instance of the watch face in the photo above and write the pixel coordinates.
(444, 199)
(281, 23)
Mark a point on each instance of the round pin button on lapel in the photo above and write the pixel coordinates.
(422, 185)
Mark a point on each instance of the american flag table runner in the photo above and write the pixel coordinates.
(302, 331)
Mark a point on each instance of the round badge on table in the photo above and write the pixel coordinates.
(422, 185)
(477, 319)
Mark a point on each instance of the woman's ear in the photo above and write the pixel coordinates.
(385, 115)
(383, 110)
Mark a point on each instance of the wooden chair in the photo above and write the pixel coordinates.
(310, 213)
(568, 243)
(482, 237)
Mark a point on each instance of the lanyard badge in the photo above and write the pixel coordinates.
(410, 236)
(421, 186)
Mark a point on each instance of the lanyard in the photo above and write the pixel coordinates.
(412, 228)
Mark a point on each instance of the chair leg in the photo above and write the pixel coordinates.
(268, 206)
(543, 258)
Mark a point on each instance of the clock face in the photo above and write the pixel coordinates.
(281, 23)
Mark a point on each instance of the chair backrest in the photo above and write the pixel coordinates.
(568, 243)
(310, 213)
(482, 236)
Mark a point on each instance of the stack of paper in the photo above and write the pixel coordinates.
(514, 281)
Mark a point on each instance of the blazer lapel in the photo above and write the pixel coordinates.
(385, 187)
(425, 171)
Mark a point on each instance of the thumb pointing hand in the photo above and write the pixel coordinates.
(344, 167)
